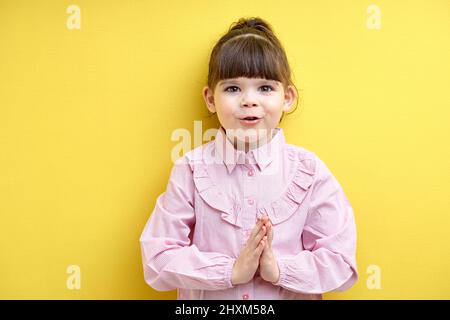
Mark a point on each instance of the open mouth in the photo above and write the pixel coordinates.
(249, 121)
(250, 118)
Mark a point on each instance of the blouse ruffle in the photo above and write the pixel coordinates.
(278, 210)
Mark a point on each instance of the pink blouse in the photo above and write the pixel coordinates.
(214, 195)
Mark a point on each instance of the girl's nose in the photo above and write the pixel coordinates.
(249, 101)
(252, 104)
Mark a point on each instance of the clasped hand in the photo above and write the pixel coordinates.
(257, 254)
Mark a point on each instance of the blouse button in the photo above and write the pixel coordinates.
(250, 173)
(251, 202)
(245, 296)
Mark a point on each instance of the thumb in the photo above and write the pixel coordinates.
(270, 233)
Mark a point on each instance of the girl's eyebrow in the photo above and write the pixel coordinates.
(224, 82)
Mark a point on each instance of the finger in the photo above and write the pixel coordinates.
(260, 223)
(256, 235)
(265, 219)
(270, 234)
(261, 245)
(267, 225)
(259, 236)
(256, 229)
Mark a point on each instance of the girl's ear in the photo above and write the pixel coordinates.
(208, 95)
(289, 97)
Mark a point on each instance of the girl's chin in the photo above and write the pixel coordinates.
(248, 135)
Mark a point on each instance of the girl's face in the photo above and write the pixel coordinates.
(239, 98)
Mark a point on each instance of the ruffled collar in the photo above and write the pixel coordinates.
(262, 156)
(300, 172)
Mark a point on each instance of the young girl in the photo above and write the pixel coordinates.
(248, 216)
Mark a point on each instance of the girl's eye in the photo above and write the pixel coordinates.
(269, 87)
(229, 88)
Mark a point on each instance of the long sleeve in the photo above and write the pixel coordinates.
(170, 260)
(328, 261)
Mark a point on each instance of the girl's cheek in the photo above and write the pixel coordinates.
(228, 108)
(230, 101)
(274, 105)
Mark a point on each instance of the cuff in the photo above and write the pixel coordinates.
(227, 273)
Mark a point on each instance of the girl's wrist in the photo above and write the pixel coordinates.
(235, 276)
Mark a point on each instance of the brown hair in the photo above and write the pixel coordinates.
(249, 49)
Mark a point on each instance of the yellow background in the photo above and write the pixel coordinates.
(86, 118)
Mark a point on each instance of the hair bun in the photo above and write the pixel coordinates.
(255, 23)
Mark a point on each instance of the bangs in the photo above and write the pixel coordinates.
(251, 57)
